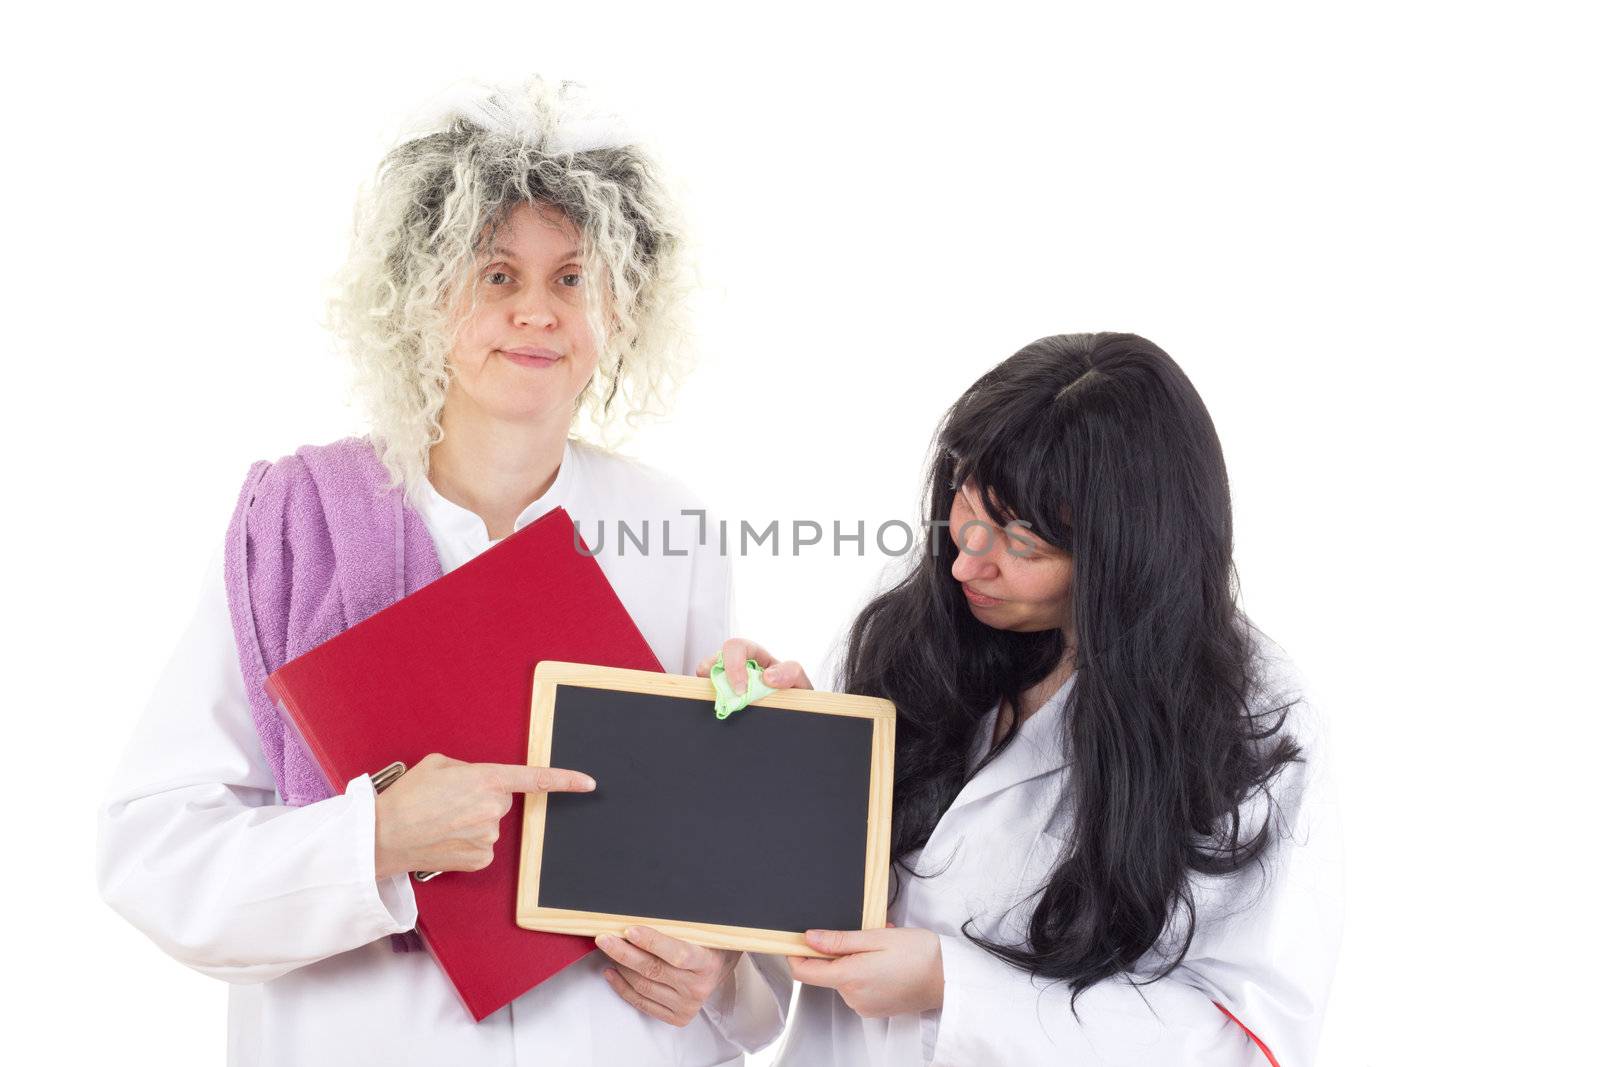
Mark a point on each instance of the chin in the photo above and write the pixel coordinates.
(537, 405)
(1008, 622)
(990, 618)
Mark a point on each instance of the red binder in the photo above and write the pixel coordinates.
(450, 669)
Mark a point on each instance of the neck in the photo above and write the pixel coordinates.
(493, 467)
(1035, 697)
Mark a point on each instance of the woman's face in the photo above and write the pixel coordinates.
(1012, 579)
(526, 351)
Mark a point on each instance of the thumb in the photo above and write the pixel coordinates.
(519, 778)
(786, 675)
(843, 942)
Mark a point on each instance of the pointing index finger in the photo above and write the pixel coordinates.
(520, 778)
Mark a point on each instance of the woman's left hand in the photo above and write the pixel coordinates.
(877, 972)
(663, 977)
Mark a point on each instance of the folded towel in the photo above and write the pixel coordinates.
(318, 542)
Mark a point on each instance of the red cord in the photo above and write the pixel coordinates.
(1265, 1051)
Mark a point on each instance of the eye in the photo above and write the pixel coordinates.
(571, 281)
(1023, 544)
(490, 277)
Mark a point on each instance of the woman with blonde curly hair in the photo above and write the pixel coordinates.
(516, 269)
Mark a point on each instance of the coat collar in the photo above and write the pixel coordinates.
(1038, 749)
(461, 534)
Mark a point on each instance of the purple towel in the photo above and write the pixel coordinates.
(317, 543)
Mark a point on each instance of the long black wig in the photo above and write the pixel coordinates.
(1102, 445)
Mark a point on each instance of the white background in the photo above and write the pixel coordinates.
(1367, 231)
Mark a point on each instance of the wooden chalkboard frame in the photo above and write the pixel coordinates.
(549, 675)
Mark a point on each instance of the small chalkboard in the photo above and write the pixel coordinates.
(738, 833)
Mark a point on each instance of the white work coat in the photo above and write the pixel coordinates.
(197, 850)
(1264, 943)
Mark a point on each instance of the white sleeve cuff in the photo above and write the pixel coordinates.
(977, 987)
(746, 1007)
(393, 902)
(960, 974)
(929, 1028)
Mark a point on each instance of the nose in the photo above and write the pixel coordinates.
(535, 308)
(974, 553)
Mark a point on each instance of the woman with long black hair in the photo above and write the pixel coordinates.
(1112, 839)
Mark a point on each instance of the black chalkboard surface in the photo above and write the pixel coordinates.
(735, 833)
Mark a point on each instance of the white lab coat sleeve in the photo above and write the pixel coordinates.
(195, 850)
(1264, 948)
(751, 1005)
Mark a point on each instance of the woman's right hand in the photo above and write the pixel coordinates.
(444, 814)
(787, 674)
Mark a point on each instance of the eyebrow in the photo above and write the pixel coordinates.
(572, 255)
(1027, 534)
(974, 504)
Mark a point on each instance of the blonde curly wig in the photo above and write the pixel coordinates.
(437, 202)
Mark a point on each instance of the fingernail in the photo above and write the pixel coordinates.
(770, 674)
(630, 933)
(588, 783)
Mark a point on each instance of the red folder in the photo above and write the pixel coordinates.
(450, 669)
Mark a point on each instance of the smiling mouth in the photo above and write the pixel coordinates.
(979, 599)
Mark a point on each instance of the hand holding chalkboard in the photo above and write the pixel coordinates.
(877, 973)
(787, 674)
(662, 976)
(444, 814)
